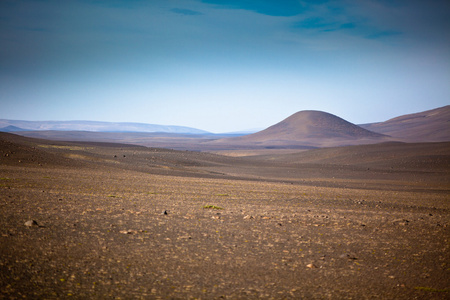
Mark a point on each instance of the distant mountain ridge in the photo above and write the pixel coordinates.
(95, 126)
(302, 130)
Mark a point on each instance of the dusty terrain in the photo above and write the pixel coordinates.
(129, 222)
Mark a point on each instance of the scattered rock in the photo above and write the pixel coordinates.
(31, 223)
(311, 266)
(248, 217)
(349, 256)
(400, 222)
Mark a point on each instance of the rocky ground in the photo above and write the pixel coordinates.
(115, 221)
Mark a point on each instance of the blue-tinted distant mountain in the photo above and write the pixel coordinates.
(95, 126)
(11, 128)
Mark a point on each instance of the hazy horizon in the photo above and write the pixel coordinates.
(222, 66)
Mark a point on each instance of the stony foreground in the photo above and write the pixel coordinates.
(103, 232)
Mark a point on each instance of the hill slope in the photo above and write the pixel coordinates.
(309, 128)
(388, 156)
(427, 126)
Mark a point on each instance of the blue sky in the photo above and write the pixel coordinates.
(222, 66)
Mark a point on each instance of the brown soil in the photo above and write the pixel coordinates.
(274, 227)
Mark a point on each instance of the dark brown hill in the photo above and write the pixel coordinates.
(23, 151)
(387, 156)
(309, 128)
(427, 126)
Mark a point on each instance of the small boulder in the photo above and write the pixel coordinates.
(31, 223)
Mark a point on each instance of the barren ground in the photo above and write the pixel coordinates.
(235, 228)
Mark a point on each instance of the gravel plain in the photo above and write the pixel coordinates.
(97, 221)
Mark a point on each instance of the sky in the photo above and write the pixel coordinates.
(222, 66)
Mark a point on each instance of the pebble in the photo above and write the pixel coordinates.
(400, 222)
(311, 266)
